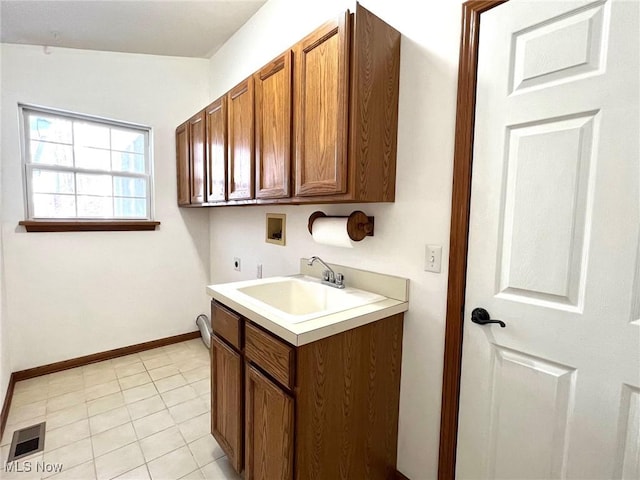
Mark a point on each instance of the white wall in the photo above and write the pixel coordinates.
(420, 215)
(5, 361)
(77, 293)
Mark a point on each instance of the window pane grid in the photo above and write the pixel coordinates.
(104, 174)
(62, 168)
(75, 179)
(79, 189)
(51, 142)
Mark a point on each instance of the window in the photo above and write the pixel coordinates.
(83, 168)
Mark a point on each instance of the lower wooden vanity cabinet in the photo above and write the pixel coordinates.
(269, 423)
(226, 398)
(324, 410)
(274, 356)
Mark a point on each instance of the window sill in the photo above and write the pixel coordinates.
(88, 226)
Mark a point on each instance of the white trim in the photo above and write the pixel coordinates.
(151, 192)
(81, 116)
(26, 110)
(90, 171)
(26, 186)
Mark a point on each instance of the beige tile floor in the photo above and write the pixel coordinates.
(143, 416)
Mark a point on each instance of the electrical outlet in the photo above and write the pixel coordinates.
(237, 264)
(433, 258)
(259, 271)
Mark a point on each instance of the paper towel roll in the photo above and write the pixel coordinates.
(332, 231)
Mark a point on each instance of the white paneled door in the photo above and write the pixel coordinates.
(554, 246)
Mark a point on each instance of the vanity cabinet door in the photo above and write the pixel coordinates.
(321, 92)
(226, 400)
(269, 435)
(241, 137)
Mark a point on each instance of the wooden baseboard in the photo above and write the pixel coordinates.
(81, 361)
(7, 403)
(398, 476)
(99, 357)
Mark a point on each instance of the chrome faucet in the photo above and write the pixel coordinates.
(329, 277)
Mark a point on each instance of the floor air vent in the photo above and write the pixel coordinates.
(27, 441)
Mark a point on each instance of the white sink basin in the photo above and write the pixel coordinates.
(298, 299)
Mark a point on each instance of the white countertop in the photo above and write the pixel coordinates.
(305, 331)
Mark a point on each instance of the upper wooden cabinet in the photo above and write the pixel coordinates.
(346, 111)
(240, 172)
(273, 128)
(321, 91)
(216, 161)
(316, 125)
(373, 109)
(197, 139)
(190, 158)
(182, 164)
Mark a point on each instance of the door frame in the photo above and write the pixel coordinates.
(459, 240)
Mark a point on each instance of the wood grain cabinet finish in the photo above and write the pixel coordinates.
(226, 324)
(197, 146)
(269, 429)
(324, 410)
(316, 125)
(347, 400)
(227, 419)
(273, 128)
(216, 160)
(240, 181)
(190, 160)
(346, 92)
(322, 127)
(182, 164)
(273, 355)
(321, 92)
(373, 109)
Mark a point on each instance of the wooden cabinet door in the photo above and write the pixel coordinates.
(241, 145)
(182, 164)
(197, 134)
(216, 125)
(321, 88)
(269, 429)
(226, 400)
(273, 128)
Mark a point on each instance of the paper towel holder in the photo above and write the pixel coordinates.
(359, 225)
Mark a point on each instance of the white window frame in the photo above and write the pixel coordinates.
(27, 166)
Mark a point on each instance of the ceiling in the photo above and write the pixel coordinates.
(185, 28)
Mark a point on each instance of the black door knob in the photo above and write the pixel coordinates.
(482, 317)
